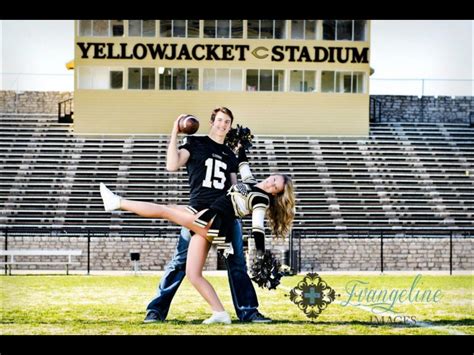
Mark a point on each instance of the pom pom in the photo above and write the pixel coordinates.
(241, 135)
(265, 271)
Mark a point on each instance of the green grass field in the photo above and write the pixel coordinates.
(95, 305)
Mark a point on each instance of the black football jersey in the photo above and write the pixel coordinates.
(209, 167)
(241, 200)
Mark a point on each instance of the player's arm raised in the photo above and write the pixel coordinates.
(176, 158)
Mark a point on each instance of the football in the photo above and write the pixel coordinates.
(188, 124)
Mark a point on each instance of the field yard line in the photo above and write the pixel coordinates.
(418, 324)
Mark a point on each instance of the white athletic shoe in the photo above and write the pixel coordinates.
(111, 200)
(218, 317)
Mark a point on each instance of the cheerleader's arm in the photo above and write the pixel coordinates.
(244, 168)
(258, 228)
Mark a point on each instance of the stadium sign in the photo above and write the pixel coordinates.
(222, 52)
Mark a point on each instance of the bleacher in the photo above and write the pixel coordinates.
(404, 175)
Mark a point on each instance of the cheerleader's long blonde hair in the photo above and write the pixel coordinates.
(281, 212)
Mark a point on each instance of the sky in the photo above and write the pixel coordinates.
(422, 49)
(33, 54)
(36, 47)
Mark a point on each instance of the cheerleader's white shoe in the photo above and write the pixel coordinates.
(111, 201)
(218, 317)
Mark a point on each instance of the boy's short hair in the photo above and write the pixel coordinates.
(223, 110)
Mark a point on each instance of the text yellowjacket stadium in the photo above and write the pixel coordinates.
(291, 77)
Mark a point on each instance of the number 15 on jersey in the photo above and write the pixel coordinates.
(215, 174)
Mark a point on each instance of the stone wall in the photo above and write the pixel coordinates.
(442, 109)
(106, 253)
(363, 254)
(44, 102)
(318, 254)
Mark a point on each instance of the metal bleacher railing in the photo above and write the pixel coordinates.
(381, 234)
(66, 111)
(87, 234)
(293, 253)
